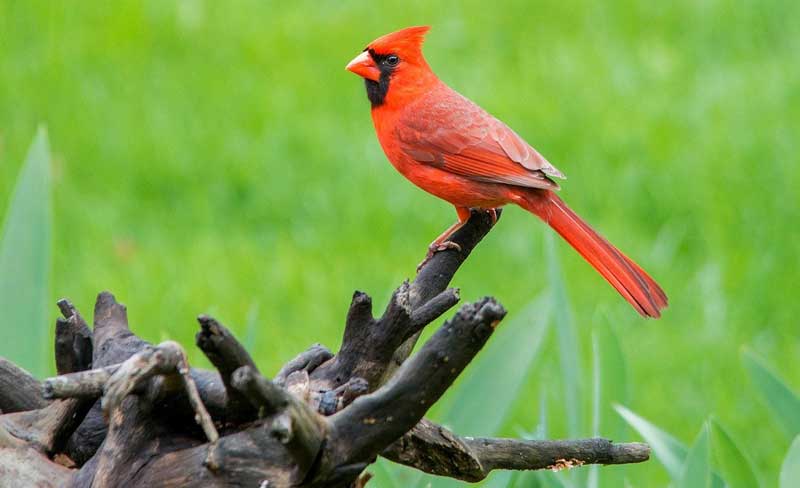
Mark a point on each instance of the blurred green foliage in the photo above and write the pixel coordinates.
(732, 463)
(790, 470)
(25, 248)
(216, 157)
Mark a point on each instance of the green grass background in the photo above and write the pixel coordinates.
(216, 157)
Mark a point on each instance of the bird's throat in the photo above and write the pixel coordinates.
(377, 90)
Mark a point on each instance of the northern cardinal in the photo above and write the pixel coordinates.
(450, 147)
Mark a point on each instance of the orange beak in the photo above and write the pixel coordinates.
(364, 66)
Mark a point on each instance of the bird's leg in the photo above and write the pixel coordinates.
(493, 214)
(441, 243)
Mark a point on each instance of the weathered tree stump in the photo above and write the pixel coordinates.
(123, 412)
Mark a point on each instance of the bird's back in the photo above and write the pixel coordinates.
(444, 127)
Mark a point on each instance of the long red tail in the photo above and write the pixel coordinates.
(631, 281)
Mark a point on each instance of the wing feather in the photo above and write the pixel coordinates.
(456, 135)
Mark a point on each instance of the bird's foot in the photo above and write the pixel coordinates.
(437, 247)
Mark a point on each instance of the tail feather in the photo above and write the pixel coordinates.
(630, 280)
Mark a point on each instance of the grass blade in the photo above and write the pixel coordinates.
(540, 432)
(611, 388)
(251, 327)
(783, 401)
(790, 470)
(498, 373)
(668, 450)
(25, 263)
(568, 345)
(734, 467)
(547, 479)
(697, 468)
(384, 474)
(593, 481)
(613, 379)
(500, 479)
(541, 478)
(568, 354)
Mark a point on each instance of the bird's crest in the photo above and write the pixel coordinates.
(406, 41)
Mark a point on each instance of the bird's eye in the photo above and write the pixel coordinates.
(392, 60)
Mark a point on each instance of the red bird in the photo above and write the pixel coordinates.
(450, 147)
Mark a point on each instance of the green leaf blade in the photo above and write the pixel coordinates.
(778, 396)
(25, 253)
(384, 473)
(568, 344)
(734, 467)
(513, 350)
(790, 470)
(610, 386)
(697, 468)
(667, 449)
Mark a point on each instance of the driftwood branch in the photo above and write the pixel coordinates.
(373, 349)
(19, 391)
(122, 412)
(436, 450)
(112, 343)
(374, 421)
(307, 361)
(227, 355)
(165, 362)
(294, 423)
(74, 345)
(83, 384)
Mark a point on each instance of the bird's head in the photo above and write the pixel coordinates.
(393, 66)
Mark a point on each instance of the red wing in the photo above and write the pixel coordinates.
(456, 135)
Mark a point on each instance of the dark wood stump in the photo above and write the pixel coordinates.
(123, 412)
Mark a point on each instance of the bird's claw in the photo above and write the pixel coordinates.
(438, 247)
(443, 246)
